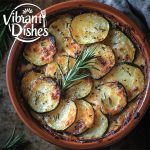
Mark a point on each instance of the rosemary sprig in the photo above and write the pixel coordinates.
(5, 8)
(13, 142)
(83, 62)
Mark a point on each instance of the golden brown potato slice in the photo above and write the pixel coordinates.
(110, 97)
(60, 28)
(89, 28)
(139, 60)
(28, 81)
(94, 96)
(64, 61)
(122, 46)
(45, 95)
(62, 117)
(129, 76)
(104, 60)
(113, 98)
(99, 127)
(51, 70)
(80, 89)
(40, 52)
(116, 122)
(84, 119)
(25, 67)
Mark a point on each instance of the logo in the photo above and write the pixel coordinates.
(24, 25)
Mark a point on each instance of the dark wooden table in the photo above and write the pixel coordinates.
(138, 139)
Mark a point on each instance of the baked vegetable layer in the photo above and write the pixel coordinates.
(61, 117)
(40, 52)
(60, 28)
(89, 28)
(84, 119)
(85, 80)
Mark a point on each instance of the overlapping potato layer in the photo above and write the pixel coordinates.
(93, 105)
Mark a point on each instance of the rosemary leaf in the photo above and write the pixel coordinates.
(83, 62)
(79, 77)
(61, 72)
(73, 84)
(5, 8)
(13, 142)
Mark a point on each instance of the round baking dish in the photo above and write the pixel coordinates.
(123, 22)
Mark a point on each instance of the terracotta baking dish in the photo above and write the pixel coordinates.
(23, 112)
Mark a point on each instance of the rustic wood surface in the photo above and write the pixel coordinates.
(138, 139)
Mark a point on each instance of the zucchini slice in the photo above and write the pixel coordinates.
(44, 96)
(129, 76)
(60, 28)
(113, 98)
(89, 28)
(99, 127)
(139, 60)
(122, 46)
(80, 89)
(104, 60)
(62, 117)
(40, 52)
(28, 81)
(84, 119)
(64, 61)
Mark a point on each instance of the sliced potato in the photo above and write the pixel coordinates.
(61, 117)
(40, 52)
(110, 97)
(139, 60)
(89, 28)
(51, 70)
(80, 89)
(113, 98)
(84, 119)
(28, 81)
(64, 61)
(94, 96)
(44, 96)
(129, 76)
(25, 67)
(122, 46)
(99, 127)
(60, 28)
(123, 118)
(104, 60)
(38, 116)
